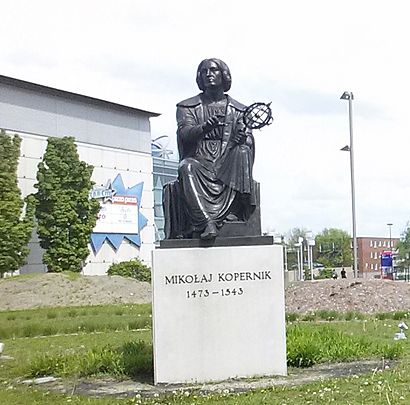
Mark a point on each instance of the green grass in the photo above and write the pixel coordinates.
(53, 321)
(331, 315)
(309, 344)
(131, 359)
(119, 352)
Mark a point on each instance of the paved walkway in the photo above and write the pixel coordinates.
(111, 387)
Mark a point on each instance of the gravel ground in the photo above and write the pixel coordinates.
(49, 290)
(366, 296)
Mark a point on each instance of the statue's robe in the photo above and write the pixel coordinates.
(214, 174)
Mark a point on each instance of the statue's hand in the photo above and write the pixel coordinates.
(240, 137)
(212, 123)
(240, 134)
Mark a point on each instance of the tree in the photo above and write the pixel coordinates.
(294, 235)
(292, 241)
(333, 248)
(15, 224)
(403, 248)
(66, 215)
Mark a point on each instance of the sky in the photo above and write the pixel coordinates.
(300, 55)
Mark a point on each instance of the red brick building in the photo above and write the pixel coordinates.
(369, 251)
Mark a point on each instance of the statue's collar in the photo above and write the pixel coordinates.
(198, 99)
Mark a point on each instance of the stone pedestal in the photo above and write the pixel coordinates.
(218, 313)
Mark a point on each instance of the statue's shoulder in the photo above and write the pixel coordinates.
(236, 104)
(190, 102)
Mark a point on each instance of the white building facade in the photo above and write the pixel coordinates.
(115, 139)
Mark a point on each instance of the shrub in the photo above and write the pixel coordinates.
(325, 273)
(133, 268)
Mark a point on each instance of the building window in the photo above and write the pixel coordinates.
(367, 266)
(380, 243)
(371, 243)
(375, 266)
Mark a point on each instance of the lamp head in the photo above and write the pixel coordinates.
(347, 96)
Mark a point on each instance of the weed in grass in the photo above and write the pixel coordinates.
(119, 311)
(383, 316)
(327, 315)
(306, 354)
(400, 315)
(51, 315)
(47, 365)
(72, 313)
(90, 326)
(11, 317)
(139, 324)
(137, 358)
(392, 351)
(291, 317)
(30, 330)
(352, 315)
(101, 361)
(72, 276)
(309, 317)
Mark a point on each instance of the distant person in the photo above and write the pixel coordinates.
(343, 273)
(334, 275)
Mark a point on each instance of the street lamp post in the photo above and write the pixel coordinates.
(302, 276)
(390, 244)
(299, 246)
(310, 241)
(349, 96)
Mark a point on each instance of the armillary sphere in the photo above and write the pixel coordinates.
(257, 115)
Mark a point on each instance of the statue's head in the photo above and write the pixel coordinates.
(223, 67)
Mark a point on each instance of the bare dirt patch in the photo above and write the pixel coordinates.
(58, 290)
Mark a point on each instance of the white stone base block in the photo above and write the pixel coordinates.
(218, 313)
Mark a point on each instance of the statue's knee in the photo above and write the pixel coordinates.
(187, 167)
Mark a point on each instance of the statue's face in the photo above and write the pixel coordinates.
(211, 75)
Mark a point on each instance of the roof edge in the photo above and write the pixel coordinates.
(11, 81)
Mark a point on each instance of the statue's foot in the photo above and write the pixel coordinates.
(210, 232)
(232, 218)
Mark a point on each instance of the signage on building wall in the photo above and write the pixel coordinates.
(119, 216)
(387, 259)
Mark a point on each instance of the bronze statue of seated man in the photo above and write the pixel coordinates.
(216, 150)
